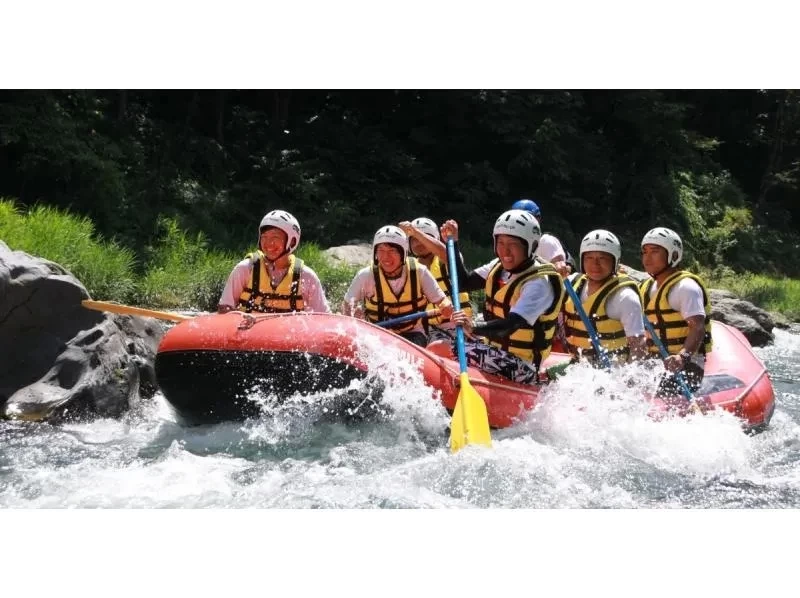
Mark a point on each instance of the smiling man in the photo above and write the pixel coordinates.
(523, 298)
(609, 300)
(677, 304)
(273, 279)
(395, 285)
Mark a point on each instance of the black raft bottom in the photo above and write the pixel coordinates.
(213, 386)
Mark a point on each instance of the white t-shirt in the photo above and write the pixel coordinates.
(550, 247)
(535, 296)
(685, 297)
(363, 286)
(623, 305)
(313, 293)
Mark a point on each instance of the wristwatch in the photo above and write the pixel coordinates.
(685, 355)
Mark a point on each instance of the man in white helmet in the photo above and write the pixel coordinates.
(273, 279)
(523, 299)
(395, 285)
(425, 244)
(611, 302)
(677, 304)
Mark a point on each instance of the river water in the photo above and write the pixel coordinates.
(577, 449)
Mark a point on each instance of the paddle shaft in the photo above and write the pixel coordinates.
(129, 310)
(470, 421)
(451, 262)
(576, 301)
(664, 354)
(408, 318)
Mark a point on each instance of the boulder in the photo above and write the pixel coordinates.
(59, 360)
(357, 254)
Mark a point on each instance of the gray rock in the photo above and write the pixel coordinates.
(58, 359)
(359, 254)
(755, 323)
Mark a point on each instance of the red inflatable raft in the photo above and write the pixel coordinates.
(210, 368)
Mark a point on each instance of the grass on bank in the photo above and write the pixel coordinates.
(773, 294)
(180, 270)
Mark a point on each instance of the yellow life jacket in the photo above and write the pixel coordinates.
(261, 296)
(439, 272)
(610, 333)
(530, 343)
(386, 305)
(668, 323)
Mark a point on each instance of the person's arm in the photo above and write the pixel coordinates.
(351, 304)
(434, 293)
(467, 281)
(495, 329)
(237, 280)
(435, 246)
(551, 250)
(535, 297)
(689, 302)
(314, 293)
(624, 305)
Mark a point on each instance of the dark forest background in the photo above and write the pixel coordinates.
(722, 167)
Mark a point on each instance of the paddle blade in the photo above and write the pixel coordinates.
(470, 423)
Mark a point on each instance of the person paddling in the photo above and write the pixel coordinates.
(610, 300)
(523, 298)
(273, 279)
(676, 302)
(426, 245)
(395, 285)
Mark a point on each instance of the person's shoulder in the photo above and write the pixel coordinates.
(309, 272)
(688, 284)
(626, 293)
(244, 264)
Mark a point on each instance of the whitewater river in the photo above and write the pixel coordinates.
(578, 449)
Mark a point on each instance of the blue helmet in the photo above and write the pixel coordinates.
(528, 205)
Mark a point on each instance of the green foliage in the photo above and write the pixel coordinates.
(771, 293)
(104, 268)
(722, 167)
(182, 271)
(335, 278)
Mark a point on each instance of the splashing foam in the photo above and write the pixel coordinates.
(394, 392)
(605, 414)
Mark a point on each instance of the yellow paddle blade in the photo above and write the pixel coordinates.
(470, 423)
(129, 310)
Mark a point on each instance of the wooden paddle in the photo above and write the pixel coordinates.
(470, 423)
(128, 310)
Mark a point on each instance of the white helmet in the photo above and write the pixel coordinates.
(669, 240)
(427, 226)
(519, 223)
(285, 222)
(391, 234)
(602, 240)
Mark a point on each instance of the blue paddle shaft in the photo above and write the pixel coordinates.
(402, 319)
(451, 262)
(663, 350)
(576, 301)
